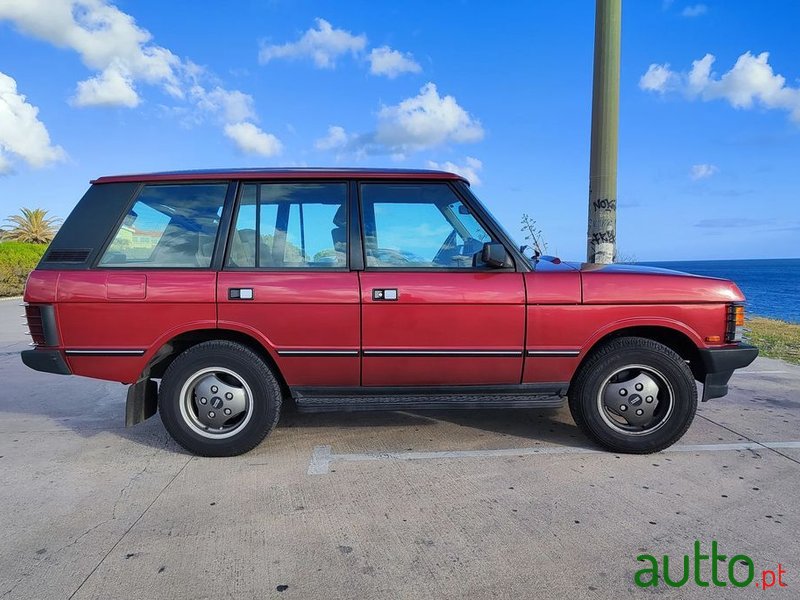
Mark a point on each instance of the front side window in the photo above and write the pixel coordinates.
(420, 226)
(290, 226)
(169, 226)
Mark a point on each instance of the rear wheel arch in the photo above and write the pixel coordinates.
(178, 344)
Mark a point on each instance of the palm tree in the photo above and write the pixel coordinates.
(31, 226)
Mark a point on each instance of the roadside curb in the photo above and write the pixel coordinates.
(10, 298)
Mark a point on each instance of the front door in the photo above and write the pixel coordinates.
(432, 312)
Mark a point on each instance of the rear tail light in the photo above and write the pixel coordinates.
(735, 323)
(41, 321)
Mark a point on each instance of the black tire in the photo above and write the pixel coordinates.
(608, 427)
(249, 377)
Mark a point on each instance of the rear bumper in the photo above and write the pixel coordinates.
(47, 361)
(720, 364)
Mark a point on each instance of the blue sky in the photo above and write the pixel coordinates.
(709, 146)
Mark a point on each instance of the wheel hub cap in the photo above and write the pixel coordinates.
(635, 400)
(211, 414)
(216, 402)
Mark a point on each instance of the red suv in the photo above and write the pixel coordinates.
(220, 295)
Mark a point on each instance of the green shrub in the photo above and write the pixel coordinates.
(17, 259)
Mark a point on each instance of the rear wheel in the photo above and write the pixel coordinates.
(219, 398)
(634, 395)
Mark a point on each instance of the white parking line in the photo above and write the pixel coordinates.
(758, 372)
(322, 457)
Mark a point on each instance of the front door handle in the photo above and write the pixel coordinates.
(240, 293)
(385, 295)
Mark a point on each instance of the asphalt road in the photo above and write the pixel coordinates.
(486, 504)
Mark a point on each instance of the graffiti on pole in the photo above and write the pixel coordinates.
(603, 237)
(604, 204)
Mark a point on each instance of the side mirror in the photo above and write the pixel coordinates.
(495, 256)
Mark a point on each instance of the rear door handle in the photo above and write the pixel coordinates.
(384, 294)
(240, 293)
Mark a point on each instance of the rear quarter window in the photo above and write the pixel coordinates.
(168, 226)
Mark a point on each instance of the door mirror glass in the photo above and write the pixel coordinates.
(495, 256)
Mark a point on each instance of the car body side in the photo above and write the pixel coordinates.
(533, 324)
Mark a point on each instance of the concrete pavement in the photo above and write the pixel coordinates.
(484, 504)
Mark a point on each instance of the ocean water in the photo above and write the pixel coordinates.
(771, 286)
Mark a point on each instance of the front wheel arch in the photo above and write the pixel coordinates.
(674, 339)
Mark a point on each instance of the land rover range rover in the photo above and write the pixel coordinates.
(219, 296)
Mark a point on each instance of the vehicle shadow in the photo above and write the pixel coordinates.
(41, 403)
(546, 425)
(89, 408)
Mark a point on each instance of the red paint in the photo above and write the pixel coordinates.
(88, 318)
(553, 287)
(556, 307)
(488, 311)
(41, 287)
(600, 287)
(443, 311)
(399, 371)
(268, 174)
(126, 286)
(298, 311)
(580, 327)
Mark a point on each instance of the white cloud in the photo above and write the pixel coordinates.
(22, 134)
(323, 45)
(252, 140)
(112, 87)
(111, 43)
(385, 61)
(232, 105)
(107, 40)
(658, 78)
(750, 82)
(702, 171)
(695, 10)
(469, 169)
(337, 138)
(424, 121)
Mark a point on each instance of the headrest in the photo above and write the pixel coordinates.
(340, 218)
(247, 235)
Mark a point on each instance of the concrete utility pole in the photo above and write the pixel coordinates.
(602, 238)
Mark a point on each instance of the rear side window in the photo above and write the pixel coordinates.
(169, 226)
(290, 226)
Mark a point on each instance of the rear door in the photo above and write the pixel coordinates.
(432, 313)
(286, 280)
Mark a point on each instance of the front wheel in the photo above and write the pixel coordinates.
(634, 395)
(219, 398)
